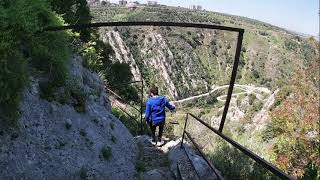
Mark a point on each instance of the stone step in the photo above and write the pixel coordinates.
(186, 170)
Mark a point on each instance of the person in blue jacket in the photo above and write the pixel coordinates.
(155, 113)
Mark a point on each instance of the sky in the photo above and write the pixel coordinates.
(296, 15)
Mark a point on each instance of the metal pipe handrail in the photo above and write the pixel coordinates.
(141, 101)
(204, 157)
(232, 80)
(190, 161)
(142, 23)
(121, 99)
(128, 114)
(275, 170)
(123, 84)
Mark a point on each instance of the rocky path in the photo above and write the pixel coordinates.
(153, 161)
(170, 162)
(258, 91)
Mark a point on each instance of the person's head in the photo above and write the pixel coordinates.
(154, 91)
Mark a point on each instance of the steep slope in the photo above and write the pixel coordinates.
(53, 141)
(189, 61)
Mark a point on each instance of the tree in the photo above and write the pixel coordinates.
(294, 126)
(74, 12)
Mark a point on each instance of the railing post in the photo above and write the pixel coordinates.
(233, 78)
(184, 130)
(141, 107)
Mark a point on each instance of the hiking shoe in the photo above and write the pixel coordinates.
(160, 143)
(153, 142)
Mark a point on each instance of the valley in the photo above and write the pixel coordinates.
(192, 67)
(71, 100)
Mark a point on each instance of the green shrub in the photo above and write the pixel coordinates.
(13, 78)
(106, 153)
(47, 90)
(113, 139)
(112, 126)
(74, 12)
(83, 173)
(252, 98)
(83, 132)
(95, 120)
(140, 166)
(257, 106)
(21, 43)
(80, 98)
(131, 124)
(67, 126)
(233, 163)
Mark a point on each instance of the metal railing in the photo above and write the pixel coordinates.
(119, 98)
(276, 171)
(122, 109)
(240, 32)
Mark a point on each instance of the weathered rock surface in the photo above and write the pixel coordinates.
(161, 163)
(191, 165)
(54, 141)
(154, 159)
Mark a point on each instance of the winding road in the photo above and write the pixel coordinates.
(246, 88)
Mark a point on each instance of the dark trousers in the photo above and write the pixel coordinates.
(153, 130)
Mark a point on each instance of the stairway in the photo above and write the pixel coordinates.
(154, 160)
(185, 169)
(167, 162)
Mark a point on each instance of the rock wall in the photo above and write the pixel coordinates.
(53, 141)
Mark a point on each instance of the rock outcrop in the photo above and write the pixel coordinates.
(53, 141)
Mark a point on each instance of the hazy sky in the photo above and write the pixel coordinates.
(297, 15)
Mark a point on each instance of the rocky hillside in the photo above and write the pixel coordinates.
(275, 80)
(189, 61)
(55, 141)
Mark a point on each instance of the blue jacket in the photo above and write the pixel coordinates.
(155, 109)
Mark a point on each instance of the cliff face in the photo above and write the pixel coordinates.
(56, 142)
(167, 59)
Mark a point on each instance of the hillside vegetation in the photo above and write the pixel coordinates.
(55, 118)
(268, 57)
(269, 107)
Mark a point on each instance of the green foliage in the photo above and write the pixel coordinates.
(252, 98)
(282, 95)
(120, 73)
(294, 126)
(97, 56)
(80, 97)
(290, 45)
(13, 78)
(83, 132)
(111, 126)
(71, 93)
(116, 69)
(233, 163)
(74, 12)
(83, 173)
(21, 43)
(140, 166)
(68, 126)
(106, 153)
(113, 139)
(131, 124)
(95, 120)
